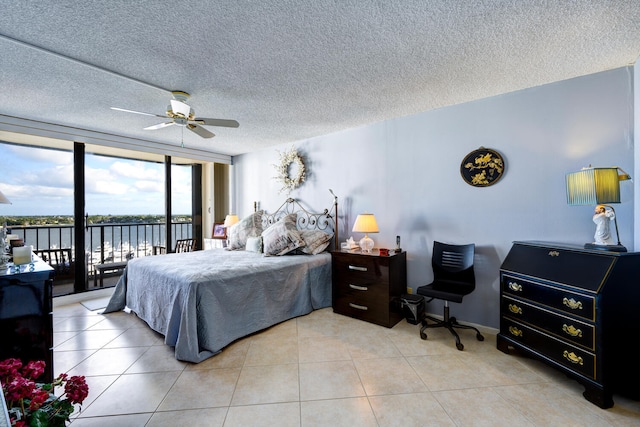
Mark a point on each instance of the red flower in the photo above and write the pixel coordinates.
(38, 398)
(34, 369)
(19, 388)
(76, 389)
(9, 368)
(32, 404)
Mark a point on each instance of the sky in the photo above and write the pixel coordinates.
(40, 182)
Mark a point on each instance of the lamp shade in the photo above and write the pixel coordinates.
(592, 186)
(365, 223)
(230, 219)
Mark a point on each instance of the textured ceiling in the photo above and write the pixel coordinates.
(288, 70)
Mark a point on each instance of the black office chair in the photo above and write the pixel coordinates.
(453, 279)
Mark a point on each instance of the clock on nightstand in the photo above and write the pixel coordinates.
(368, 286)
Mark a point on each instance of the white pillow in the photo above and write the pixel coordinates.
(282, 237)
(239, 232)
(315, 241)
(254, 244)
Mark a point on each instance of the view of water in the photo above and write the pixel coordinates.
(120, 241)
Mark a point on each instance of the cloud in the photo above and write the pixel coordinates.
(137, 170)
(149, 186)
(41, 155)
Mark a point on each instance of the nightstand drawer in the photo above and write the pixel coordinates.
(561, 352)
(361, 269)
(571, 303)
(368, 310)
(364, 291)
(561, 326)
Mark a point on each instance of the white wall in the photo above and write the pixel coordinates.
(407, 172)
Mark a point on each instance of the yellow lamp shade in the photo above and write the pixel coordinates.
(230, 220)
(366, 223)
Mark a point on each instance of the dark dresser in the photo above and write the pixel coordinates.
(368, 286)
(26, 326)
(577, 310)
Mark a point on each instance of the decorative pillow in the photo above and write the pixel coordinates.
(239, 232)
(254, 244)
(315, 241)
(282, 236)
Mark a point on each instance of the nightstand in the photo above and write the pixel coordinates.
(368, 286)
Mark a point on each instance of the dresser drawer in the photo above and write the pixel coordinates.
(373, 311)
(366, 293)
(361, 269)
(561, 352)
(571, 303)
(561, 326)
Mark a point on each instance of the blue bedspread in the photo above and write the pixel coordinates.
(202, 301)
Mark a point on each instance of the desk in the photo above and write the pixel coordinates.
(576, 310)
(26, 324)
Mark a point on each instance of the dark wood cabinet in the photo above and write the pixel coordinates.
(577, 310)
(26, 325)
(368, 286)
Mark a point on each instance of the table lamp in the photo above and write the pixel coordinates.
(230, 219)
(366, 223)
(598, 186)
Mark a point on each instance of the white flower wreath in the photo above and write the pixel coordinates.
(287, 159)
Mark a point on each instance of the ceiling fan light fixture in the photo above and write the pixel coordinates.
(180, 109)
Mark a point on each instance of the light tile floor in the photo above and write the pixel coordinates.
(322, 369)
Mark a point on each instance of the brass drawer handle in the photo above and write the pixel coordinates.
(515, 309)
(515, 331)
(572, 304)
(359, 307)
(356, 268)
(571, 330)
(573, 358)
(358, 288)
(554, 253)
(514, 286)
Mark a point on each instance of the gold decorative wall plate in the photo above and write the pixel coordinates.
(482, 167)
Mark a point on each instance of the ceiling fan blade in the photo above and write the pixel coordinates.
(138, 112)
(216, 122)
(180, 108)
(159, 126)
(200, 131)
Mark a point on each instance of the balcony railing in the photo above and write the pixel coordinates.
(104, 243)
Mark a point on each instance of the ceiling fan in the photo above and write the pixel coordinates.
(181, 114)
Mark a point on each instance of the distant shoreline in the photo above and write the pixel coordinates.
(58, 220)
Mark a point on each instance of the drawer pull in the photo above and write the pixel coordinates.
(514, 286)
(515, 331)
(515, 309)
(554, 253)
(572, 304)
(572, 331)
(359, 307)
(358, 288)
(356, 268)
(573, 358)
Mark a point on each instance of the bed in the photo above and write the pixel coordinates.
(204, 300)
